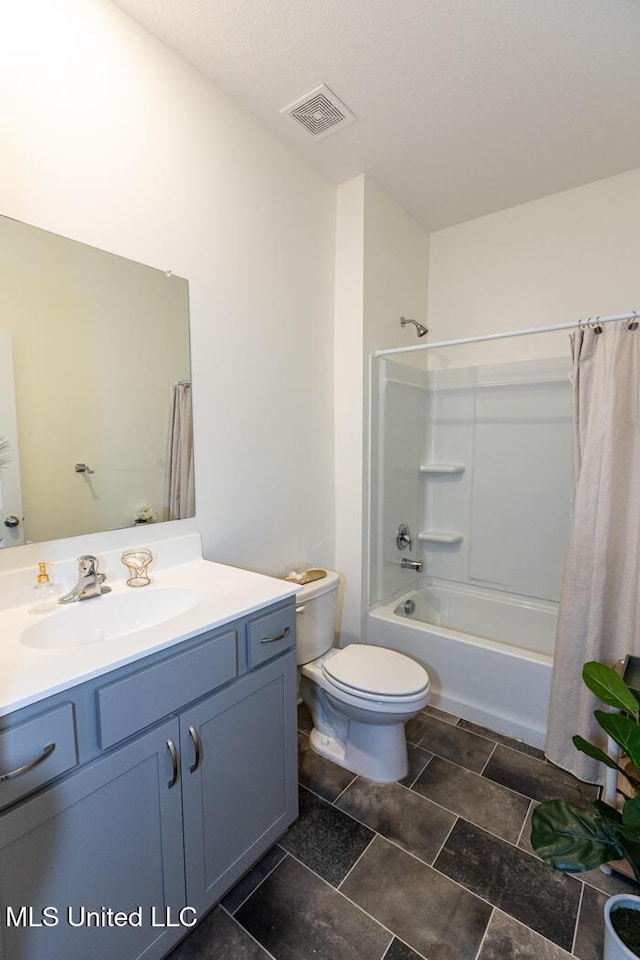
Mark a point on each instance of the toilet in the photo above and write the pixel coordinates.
(360, 696)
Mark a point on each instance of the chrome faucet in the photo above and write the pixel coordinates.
(90, 582)
(407, 564)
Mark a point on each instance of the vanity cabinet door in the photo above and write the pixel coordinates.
(106, 837)
(239, 778)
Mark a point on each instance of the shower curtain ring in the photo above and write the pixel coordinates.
(634, 323)
(597, 327)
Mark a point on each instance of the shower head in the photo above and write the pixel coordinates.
(420, 330)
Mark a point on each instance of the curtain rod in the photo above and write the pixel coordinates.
(509, 333)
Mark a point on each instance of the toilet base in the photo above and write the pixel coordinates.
(376, 752)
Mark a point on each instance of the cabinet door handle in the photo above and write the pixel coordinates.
(175, 760)
(280, 636)
(197, 746)
(48, 750)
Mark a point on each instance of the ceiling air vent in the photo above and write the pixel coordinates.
(320, 112)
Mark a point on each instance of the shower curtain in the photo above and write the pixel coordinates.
(599, 616)
(180, 487)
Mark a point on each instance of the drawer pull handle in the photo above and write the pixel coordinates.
(175, 761)
(48, 750)
(197, 746)
(280, 636)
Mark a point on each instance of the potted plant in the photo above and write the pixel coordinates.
(574, 839)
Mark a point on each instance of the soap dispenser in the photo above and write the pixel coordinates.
(45, 594)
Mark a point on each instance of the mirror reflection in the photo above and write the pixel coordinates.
(95, 394)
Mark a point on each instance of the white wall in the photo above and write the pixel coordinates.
(381, 274)
(349, 402)
(555, 260)
(109, 138)
(396, 262)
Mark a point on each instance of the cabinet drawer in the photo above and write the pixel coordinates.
(135, 702)
(36, 751)
(270, 635)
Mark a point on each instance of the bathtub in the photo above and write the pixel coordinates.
(489, 655)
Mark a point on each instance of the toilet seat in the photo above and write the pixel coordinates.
(375, 673)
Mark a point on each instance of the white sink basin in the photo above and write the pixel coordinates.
(104, 618)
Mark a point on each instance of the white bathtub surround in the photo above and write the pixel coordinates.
(488, 681)
(524, 623)
(478, 461)
(599, 609)
(209, 595)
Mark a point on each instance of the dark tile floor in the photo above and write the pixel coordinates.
(436, 867)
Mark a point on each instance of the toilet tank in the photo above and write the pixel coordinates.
(316, 606)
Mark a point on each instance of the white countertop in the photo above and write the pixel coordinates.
(224, 594)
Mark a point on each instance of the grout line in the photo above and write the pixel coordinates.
(418, 775)
(484, 935)
(577, 924)
(343, 895)
(387, 948)
(461, 885)
(524, 823)
(431, 866)
(435, 803)
(248, 933)
(479, 826)
(404, 944)
(486, 764)
(335, 799)
(446, 809)
(495, 907)
(356, 862)
(339, 809)
(257, 887)
(396, 843)
(439, 872)
(443, 845)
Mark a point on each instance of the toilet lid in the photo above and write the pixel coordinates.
(376, 671)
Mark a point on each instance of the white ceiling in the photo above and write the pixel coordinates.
(463, 106)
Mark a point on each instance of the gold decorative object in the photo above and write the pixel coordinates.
(137, 563)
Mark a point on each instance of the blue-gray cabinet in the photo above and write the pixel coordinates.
(177, 774)
(108, 835)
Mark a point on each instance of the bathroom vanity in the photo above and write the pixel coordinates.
(152, 778)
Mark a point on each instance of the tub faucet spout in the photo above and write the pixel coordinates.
(415, 565)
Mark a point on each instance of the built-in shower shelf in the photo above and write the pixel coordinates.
(440, 536)
(438, 469)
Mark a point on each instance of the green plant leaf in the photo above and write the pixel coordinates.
(631, 815)
(573, 839)
(624, 730)
(607, 812)
(592, 751)
(609, 687)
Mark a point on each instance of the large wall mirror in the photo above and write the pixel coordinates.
(95, 392)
